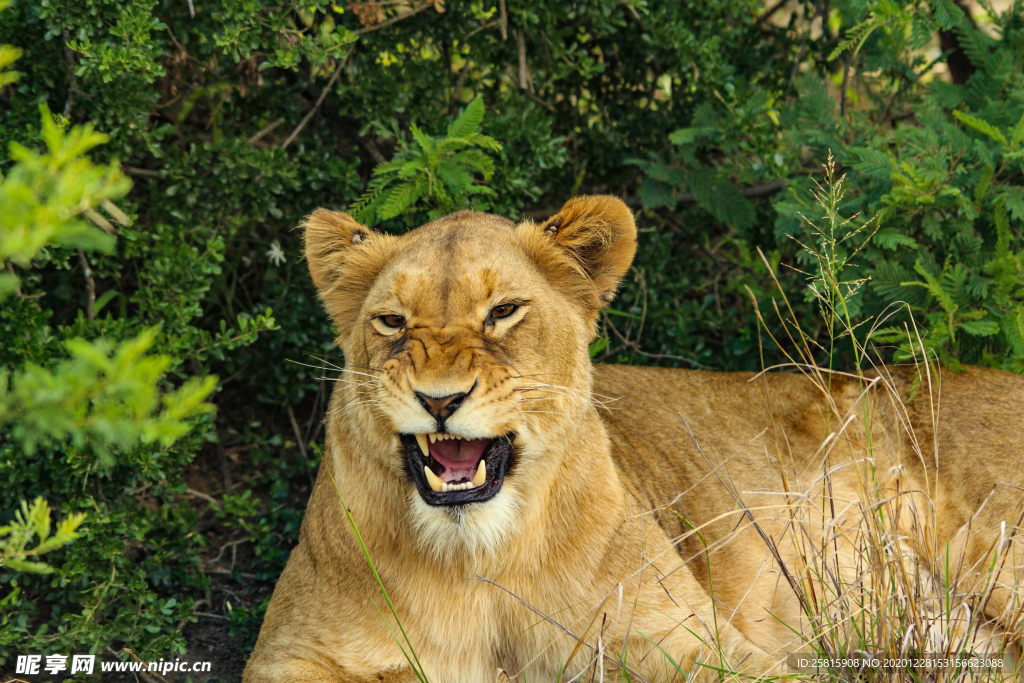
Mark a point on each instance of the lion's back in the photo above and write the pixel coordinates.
(744, 423)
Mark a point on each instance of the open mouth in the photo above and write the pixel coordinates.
(448, 470)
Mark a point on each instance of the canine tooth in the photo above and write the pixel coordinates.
(481, 474)
(421, 439)
(435, 482)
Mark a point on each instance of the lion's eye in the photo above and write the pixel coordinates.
(503, 311)
(395, 321)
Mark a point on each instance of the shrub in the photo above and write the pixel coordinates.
(235, 118)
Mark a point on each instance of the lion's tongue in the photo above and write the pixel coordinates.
(459, 457)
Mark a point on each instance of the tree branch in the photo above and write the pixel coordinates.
(319, 101)
(90, 287)
(524, 72)
(394, 19)
(69, 57)
(265, 130)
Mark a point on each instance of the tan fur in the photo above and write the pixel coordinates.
(593, 527)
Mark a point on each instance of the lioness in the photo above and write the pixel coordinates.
(519, 525)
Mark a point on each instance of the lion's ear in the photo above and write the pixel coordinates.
(344, 259)
(595, 237)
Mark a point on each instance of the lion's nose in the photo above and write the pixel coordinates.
(442, 407)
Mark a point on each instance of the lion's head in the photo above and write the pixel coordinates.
(465, 346)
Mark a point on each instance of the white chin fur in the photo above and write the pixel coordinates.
(467, 530)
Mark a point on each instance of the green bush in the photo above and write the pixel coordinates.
(937, 167)
(713, 119)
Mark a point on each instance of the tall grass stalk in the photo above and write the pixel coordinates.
(894, 601)
(410, 656)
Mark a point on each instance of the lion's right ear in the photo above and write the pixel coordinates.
(344, 259)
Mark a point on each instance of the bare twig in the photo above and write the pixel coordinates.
(394, 19)
(225, 469)
(796, 62)
(302, 446)
(459, 82)
(90, 286)
(756, 191)
(503, 18)
(141, 171)
(319, 101)
(17, 284)
(768, 13)
(491, 24)
(212, 615)
(298, 433)
(220, 554)
(266, 129)
(371, 148)
(842, 95)
(200, 494)
(191, 10)
(147, 676)
(69, 57)
(524, 72)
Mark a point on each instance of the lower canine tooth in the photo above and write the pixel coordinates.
(481, 474)
(421, 439)
(435, 482)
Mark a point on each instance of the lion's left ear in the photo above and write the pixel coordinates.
(344, 259)
(594, 238)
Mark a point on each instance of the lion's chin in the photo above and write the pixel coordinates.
(449, 471)
(461, 534)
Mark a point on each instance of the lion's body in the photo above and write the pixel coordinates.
(752, 429)
(592, 531)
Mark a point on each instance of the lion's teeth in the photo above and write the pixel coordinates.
(435, 482)
(432, 437)
(481, 474)
(421, 439)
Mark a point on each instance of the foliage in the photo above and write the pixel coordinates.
(437, 170)
(938, 164)
(29, 522)
(100, 400)
(712, 119)
(45, 195)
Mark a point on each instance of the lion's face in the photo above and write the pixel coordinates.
(466, 350)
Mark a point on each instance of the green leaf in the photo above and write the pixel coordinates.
(893, 238)
(719, 197)
(872, 162)
(456, 176)
(400, 198)
(980, 328)
(980, 126)
(469, 120)
(655, 194)
(425, 142)
(1013, 199)
(947, 13)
